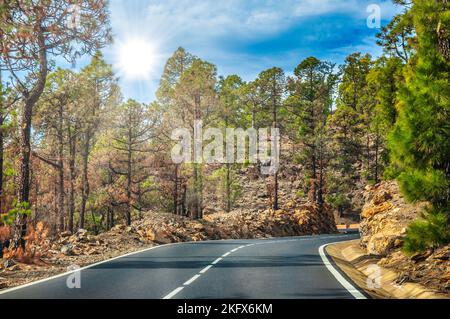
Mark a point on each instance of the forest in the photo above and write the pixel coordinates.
(74, 154)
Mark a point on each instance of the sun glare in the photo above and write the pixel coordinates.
(136, 59)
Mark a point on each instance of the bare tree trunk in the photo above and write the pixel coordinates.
(228, 186)
(368, 155)
(72, 154)
(275, 126)
(61, 169)
(129, 176)
(183, 200)
(320, 201)
(175, 192)
(85, 180)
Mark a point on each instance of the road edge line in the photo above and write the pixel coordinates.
(344, 282)
(2, 292)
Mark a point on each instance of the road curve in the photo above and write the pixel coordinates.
(284, 268)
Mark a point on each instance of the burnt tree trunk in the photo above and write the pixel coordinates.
(30, 99)
(72, 175)
(85, 188)
(129, 174)
(61, 192)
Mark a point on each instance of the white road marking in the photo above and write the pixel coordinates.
(84, 268)
(344, 282)
(190, 281)
(173, 293)
(205, 269)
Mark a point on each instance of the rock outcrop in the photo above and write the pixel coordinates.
(385, 218)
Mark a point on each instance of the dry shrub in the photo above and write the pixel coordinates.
(5, 233)
(37, 246)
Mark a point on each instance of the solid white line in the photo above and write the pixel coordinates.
(216, 261)
(205, 269)
(173, 293)
(83, 268)
(350, 288)
(190, 281)
(226, 254)
(234, 250)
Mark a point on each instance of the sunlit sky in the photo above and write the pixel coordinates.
(239, 36)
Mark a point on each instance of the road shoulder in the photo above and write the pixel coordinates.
(378, 282)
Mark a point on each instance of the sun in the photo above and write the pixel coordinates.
(136, 59)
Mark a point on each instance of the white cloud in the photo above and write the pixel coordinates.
(207, 27)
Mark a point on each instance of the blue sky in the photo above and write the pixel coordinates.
(241, 36)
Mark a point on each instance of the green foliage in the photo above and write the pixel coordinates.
(420, 141)
(300, 194)
(338, 201)
(220, 177)
(420, 185)
(19, 208)
(428, 232)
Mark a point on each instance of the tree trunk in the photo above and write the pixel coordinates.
(275, 126)
(85, 180)
(175, 192)
(61, 169)
(129, 176)
(228, 186)
(2, 142)
(72, 154)
(31, 99)
(1, 155)
(377, 145)
(320, 200)
(183, 200)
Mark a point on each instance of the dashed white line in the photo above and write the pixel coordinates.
(205, 269)
(173, 293)
(190, 281)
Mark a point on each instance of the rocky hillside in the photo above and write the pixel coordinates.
(385, 218)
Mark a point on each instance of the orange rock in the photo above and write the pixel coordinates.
(372, 211)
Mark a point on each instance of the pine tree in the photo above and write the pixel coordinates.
(310, 101)
(229, 93)
(348, 127)
(272, 83)
(420, 141)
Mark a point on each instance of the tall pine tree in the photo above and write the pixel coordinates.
(420, 142)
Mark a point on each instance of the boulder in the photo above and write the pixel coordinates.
(67, 250)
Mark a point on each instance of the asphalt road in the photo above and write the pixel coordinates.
(285, 268)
